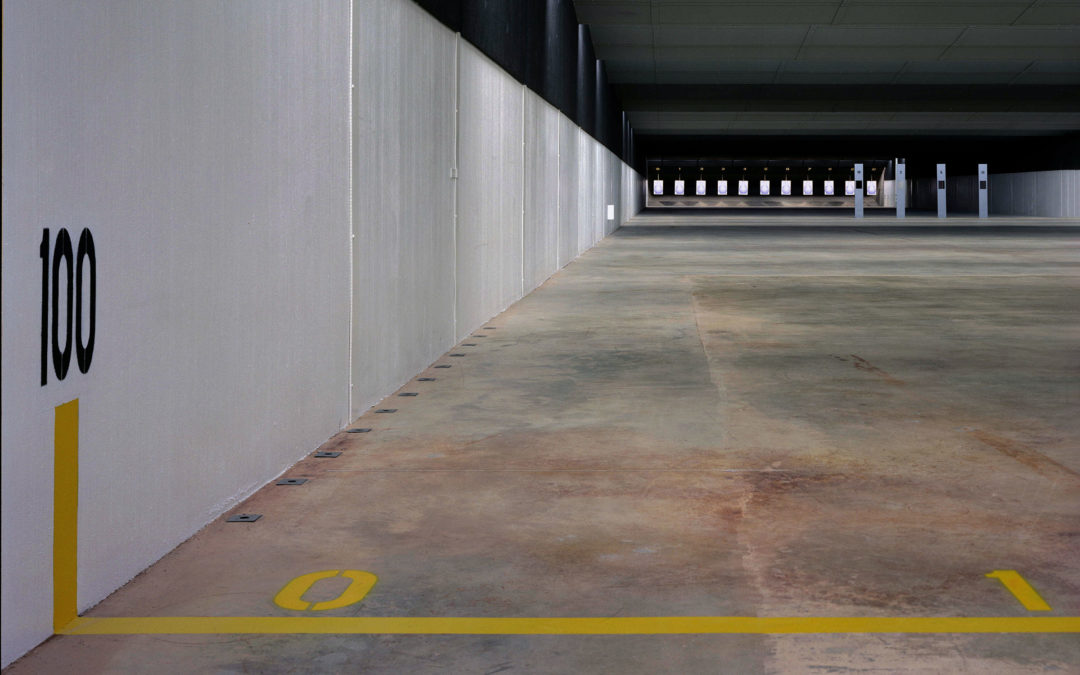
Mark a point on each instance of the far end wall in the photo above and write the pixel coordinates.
(1053, 194)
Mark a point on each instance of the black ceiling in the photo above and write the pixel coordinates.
(841, 67)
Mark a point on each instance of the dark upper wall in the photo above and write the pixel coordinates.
(1002, 154)
(541, 44)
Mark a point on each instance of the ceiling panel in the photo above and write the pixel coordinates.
(962, 53)
(899, 123)
(764, 12)
(854, 66)
(1016, 36)
(600, 13)
(885, 53)
(712, 55)
(884, 36)
(1009, 51)
(730, 35)
(1052, 13)
(901, 12)
(785, 76)
(617, 34)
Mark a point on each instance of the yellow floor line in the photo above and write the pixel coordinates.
(1021, 589)
(567, 626)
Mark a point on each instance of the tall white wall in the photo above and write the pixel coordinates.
(404, 153)
(205, 146)
(491, 190)
(541, 233)
(469, 191)
(586, 187)
(273, 255)
(569, 189)
(1053, 194)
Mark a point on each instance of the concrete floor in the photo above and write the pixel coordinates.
(836, 420)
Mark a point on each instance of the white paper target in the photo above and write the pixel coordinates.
(849, 187)
(700, 187)
(808, 187)
(871, 188)
(721, 187)
(680, 187)
(763, 188)
(744, 187)
(829, 188)
(785, 187)
(658, 187)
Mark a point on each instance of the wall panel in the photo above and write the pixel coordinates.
(568, 190)
(1051, 194)
(586, 196)
(205, 147)
(490, 189)
(541, 190)
(614, 192)
(599, 191)
(403, 195)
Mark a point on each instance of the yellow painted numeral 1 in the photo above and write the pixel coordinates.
(1020, 588)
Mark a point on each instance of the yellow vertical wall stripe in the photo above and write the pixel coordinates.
(65, 513)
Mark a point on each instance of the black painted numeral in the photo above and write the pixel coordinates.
(62, 254)
(43, 250)
(85, 352)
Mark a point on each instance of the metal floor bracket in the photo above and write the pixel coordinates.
(243, 518)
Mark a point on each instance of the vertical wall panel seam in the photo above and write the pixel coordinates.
(524, 102)
(558, 189)
(352, 225)
(456, 177)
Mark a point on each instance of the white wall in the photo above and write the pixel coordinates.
(491, 190)
(569, 189)
(586, 192)
(432, 263)
(246, 232)
(1053, 194)
(204, 144)
(403, 195)
(541, 234)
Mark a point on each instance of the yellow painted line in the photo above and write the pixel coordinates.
(65, 513)
(1020, 588)
(566, 626)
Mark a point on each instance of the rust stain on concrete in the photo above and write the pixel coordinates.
(864, 365)
(1023, 454)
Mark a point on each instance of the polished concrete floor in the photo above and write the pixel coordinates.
(749, 418)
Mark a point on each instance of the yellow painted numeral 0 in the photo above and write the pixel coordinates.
(290, 596)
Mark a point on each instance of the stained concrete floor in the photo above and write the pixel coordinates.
(743, 419)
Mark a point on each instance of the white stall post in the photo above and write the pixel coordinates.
(940, 190)
(858, 191)
(984, 211)
(901, 187)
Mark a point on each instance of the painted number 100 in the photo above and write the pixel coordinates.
(77, 297)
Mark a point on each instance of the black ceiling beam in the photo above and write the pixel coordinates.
(866, 98)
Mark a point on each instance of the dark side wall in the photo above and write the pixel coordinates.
(541, 44)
